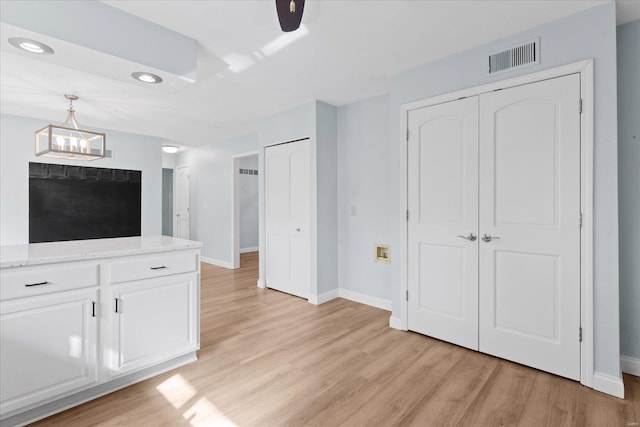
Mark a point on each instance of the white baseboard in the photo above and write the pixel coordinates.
(608, 384)
(382, 303)
(395, 323)
(218, 262)
(245, 250)
(261, 284)
(630, 365)
(322, 298)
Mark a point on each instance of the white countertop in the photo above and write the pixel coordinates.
(75, 250)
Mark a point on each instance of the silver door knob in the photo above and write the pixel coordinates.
(487, 238)
(297, 229)
(471, 237)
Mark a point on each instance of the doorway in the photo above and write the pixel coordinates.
(244, 211)
(182, 202)
(167, 202)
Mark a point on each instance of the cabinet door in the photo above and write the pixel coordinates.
(48, 347)
(151, 321)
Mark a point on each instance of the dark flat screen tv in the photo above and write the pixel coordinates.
(77, 202)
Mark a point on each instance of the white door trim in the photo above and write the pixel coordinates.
(585, 69)
(235, 207)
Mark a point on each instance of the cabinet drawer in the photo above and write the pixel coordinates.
(150, 266)
(44, 279)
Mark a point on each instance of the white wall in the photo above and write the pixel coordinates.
(210, 170)
(363, 182)
(129, 151)
(629, 193)
(589, 34)
(248, 200)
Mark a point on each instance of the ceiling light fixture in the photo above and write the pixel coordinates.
(31, 46)
(68, 141)
(171, 149)
(146, 77)
(289, 14)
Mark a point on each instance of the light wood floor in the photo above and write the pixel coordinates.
(270, 359)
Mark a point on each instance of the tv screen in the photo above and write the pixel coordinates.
(77, 202)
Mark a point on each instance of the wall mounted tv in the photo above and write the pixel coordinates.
(76, 202)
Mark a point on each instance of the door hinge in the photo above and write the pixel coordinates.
(580, 334)
(407, 134)
(407, 214)
(580, 105)
(580, 219)
(407, 295)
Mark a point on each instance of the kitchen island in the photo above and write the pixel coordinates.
(81, 319)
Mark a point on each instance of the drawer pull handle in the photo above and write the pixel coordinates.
(116, 305)
(28, 285)
(159, 268)
(93, 309)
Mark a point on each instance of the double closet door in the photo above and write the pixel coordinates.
(287, 217)
(494, 223)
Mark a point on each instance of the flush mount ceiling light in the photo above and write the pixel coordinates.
(146, 77)
(31, 46)
(170, 148)
(68, 141)
(289, 14)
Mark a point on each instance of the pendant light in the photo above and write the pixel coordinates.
(68, 141)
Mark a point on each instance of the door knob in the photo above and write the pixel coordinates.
(297, 229)
(471, 237)
(487, 238)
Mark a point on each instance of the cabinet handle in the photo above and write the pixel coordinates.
(28, 285)
(93, 309)
(159, 268)
(116, 305)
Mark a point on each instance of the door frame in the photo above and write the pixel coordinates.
(235, 207)
(585, 69)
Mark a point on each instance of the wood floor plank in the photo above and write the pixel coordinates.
(502, 399)
(271, 359)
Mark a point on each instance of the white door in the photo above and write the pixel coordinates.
(287, 218)
(443, 221)
(150, 321)
(530, 201)
(182, 202)
(48, 347)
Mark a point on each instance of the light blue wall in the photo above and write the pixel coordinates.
(629, 191)
(210, 170)
(589, 34)
(363, 178)
(129, 151)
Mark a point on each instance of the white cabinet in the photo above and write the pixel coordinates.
(75, 328)
(48, 346)
(150, 321)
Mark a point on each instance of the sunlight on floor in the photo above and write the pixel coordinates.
(178, 392)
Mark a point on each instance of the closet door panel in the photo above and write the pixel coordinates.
(530, 207)
(443, 221)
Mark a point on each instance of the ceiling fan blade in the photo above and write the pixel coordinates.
(289, 20)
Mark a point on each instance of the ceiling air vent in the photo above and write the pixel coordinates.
(520, 56)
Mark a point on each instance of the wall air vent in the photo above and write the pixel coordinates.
(520, 56)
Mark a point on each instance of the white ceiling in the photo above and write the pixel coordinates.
(246, 69)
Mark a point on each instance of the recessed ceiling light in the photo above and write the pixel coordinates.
(170, 149)
(31, 46)
(146, 77)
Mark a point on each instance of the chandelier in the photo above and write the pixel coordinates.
(68, 141)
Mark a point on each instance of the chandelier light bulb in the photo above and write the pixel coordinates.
(74, 143)
(292, 7)
(60, 141)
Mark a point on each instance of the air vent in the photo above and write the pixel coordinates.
(520, 56)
